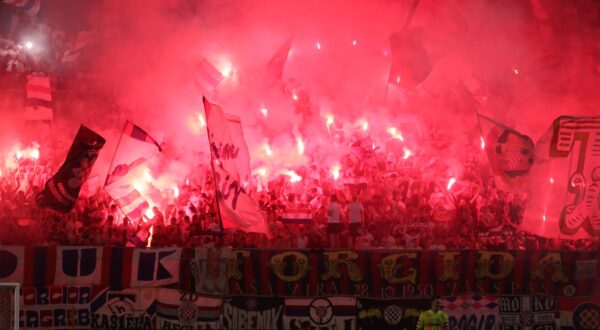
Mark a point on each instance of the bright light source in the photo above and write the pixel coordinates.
(138, 186)
(294, 177)
(482, 143)
(148, 176)
(295, 96)
(201, 120)
(262, 171)
(175, 191)
(35, 154)
(407, 153)
(354, 42)
(264, 111)
(19, 154)
(516, 71)
(551, 180)
(226, 69)
(149, 213)
(187, 181)
(318, 45)
(335, 171)
(29, 45)
(395, 134)
(451, 182)
(300, 145)
(544, 217)
(329, 120)
(365, 125)
(267, 149)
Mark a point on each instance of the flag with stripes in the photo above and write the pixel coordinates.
(82, 39)
(136, 147)
(177, 310)
(564, 181)
(207, 77)
(303, 217)
(38, 103)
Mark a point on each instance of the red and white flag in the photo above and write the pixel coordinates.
(564, 182)
(509, 152)
(237, 209)
(126, 172)
(207, 77)
(38, 105)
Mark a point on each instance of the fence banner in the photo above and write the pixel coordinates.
(390, 314)
(579, 313)
(471, 312)
(55, 307)
(252, 313)
(320, 313)
(527, 312)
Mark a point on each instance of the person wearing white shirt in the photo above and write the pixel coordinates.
(334, 225)
(355, 213)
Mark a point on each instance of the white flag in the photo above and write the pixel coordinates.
(238, 210)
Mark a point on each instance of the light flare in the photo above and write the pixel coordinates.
(148, 176)
(354, 42)
(294, 177)
(393, 131)
(201, 120)
(268, 150)
(149, 213)
(318, 45)
(264, 111)
(451, 183)
(551, 180)
(175, 191)
(35, 154)
(335, 171)
(262, 171)
(300, 145)
(226, 69)
(482, 143)
(364, 125)
(407, 153)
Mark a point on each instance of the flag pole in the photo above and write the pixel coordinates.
(114, 154)
(212, 166)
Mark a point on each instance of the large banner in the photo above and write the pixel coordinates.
(55, 307)
(408, 274)
(177, 310)
(374, 274)
(124, 309)
(471, 312)
(579, 313)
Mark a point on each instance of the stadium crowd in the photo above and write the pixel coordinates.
(407, 209)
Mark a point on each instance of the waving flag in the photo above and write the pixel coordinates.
(207, 76)
(237, 209)
(565, 181)
(135, 148)
(38, 105)
(82, 39)
(510, 153)
(62, 190)
(276, 64)
(411, 64)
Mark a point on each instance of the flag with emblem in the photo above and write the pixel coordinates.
(207, 77)
(155, 267)
(390, 313)
(510, 154)
(78, 265)
(579, 313)
(177, 310)
(322, 312)
(465, 310)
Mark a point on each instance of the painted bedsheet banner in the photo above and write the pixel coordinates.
(375, 274)
(94, 307)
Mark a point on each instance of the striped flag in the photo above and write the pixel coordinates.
(296, 217)
(135, 148)
(38, 103)
(207, 76)
(82, 39)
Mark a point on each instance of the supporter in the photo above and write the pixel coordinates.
(355, 214)
(334, 225)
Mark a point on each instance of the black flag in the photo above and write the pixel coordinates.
(62, 190)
